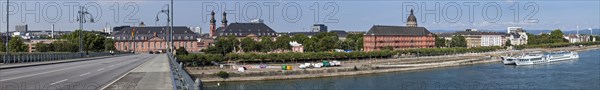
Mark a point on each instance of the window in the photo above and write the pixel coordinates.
(185, 45)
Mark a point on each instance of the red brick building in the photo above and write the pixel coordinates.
(398, 37)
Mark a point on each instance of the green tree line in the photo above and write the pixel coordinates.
(555, 36)
(93, 41)
(324, 41)
(206, 59)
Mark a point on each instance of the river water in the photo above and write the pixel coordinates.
(583, 73)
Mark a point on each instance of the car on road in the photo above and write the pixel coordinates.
(150, 52)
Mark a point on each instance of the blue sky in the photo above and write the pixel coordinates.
(286, 16)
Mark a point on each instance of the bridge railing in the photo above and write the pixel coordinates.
(15, 58)
(181, 78)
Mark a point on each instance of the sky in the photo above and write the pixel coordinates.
(299, 15)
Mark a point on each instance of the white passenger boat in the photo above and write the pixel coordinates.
(508, 60)
(530, 59)
(561, 55)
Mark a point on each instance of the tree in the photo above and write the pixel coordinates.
(555, 36)
(249, 45)
(282, 43)
(347, 44)
(300, 38)
(359, 44)
(458, 41)
(42, 47)
(325, 43)
(2, 46)
(181, 51)
(440, 42)
(387, 48)
(64, 46)
(310, 45)
(354, 36)
(507, 43)
(356, 40)
(266, 44)
(16, 44)
(93, 41)
(109, 44)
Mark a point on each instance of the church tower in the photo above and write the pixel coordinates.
(224, 21)
(213, 29)
(412, 20)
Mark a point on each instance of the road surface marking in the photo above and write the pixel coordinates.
(59, 81)
(100, 69)
(147, 60)
(85, 74)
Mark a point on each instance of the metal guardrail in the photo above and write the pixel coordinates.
(181, 78)
(40, 57)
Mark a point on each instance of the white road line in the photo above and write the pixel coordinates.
(59, 81)
(84, 74)
(100, 69)
(111, 65)
(147, 60)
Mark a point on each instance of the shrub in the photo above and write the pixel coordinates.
(223, 74)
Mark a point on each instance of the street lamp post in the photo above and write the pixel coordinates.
(7, 34)
(167, 36)
(82, 13)
(171, 16)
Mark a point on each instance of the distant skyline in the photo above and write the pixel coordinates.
(352, 15)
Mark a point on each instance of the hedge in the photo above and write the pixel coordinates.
(206, 59)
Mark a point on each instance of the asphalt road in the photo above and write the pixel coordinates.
(82, 75)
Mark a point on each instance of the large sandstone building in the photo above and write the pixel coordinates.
(398, 37)
(152, 38)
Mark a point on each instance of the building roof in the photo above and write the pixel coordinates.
(296, 33)
(478, 33)
(398, 30)
(411, 17)
(146, 33)
(245, 29)
(445, 34)
(340, 33)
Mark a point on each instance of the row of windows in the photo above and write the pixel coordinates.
(159, 44)
(249, 30)
(146, 37)
(239, 34)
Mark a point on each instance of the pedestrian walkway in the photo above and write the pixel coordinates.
(154, 74)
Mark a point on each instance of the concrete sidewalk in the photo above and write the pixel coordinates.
(151, 75)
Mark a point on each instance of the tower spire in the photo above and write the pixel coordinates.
(224, 21)
(213, 29)
(412, 20)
